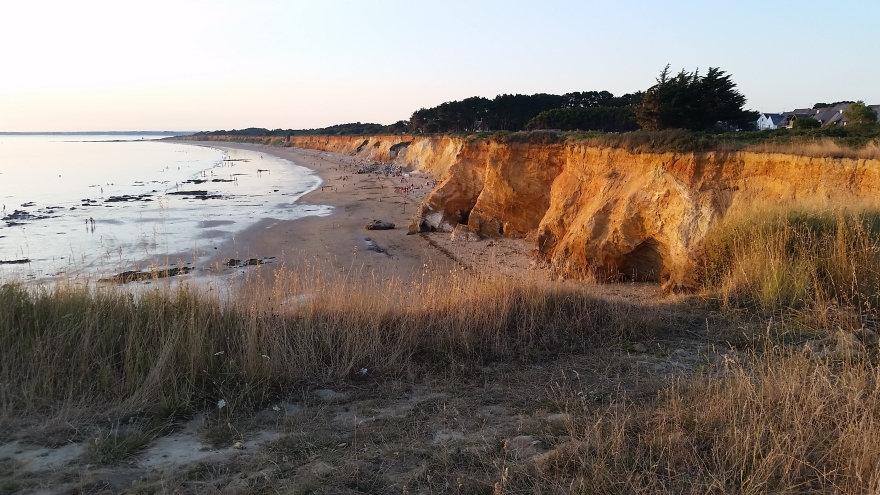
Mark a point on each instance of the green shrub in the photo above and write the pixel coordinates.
(808, 123)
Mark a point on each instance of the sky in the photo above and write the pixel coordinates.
(207, 65)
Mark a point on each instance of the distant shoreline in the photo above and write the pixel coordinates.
(101, 133)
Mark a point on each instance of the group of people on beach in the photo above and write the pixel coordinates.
(376, 170)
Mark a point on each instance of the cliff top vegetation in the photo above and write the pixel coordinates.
(685, 112)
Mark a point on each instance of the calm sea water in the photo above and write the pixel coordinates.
(91, 206)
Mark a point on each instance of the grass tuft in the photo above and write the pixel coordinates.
(115, 446)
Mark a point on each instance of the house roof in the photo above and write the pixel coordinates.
(776, 118)
(827, 116)
(833, 114)
(803, 111)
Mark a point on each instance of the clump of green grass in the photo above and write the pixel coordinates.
(116, 446)
(798, 259)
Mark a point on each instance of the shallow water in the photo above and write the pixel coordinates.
(88, 206)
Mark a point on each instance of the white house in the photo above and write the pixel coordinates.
(769, 121)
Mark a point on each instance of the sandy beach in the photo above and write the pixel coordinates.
(340, 240)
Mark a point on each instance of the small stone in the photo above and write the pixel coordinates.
(379, 225)
(319, 468)
(868, 337)
(328, 394)
(545, 460)
(559, 418)
(848, 345)
(522, 447)
(463, 233)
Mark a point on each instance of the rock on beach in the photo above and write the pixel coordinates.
(379, 225)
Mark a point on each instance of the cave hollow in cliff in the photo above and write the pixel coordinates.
(645, 263)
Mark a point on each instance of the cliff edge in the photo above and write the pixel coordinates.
(623, 215)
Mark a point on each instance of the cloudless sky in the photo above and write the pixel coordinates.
(221, 64)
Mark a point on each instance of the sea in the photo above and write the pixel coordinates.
(90, 207)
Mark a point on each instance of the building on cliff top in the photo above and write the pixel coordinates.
(769, 121)
(826, 116)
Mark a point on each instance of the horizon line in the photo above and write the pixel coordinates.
(20, 133)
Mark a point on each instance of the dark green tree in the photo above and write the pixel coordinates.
(606, 119)
(807, 123)
(819, 106)
(692, 101)
(860, 114)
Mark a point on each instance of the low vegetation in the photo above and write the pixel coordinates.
(775, 403)
(839, 142)
(778, 422)
(183, 350)
(797, 260)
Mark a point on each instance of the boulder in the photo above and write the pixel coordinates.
(463, 233)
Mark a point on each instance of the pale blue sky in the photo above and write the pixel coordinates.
(200, 65)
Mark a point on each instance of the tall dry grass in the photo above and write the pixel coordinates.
(865, 147)
(183, 349)
(796, 259)
(779, 422)
(820, 148)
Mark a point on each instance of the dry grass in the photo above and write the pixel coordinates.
(782, 422)
(798, 259)
(672, 140)
(682, 141)
(773, 420)
(182, 350)
(820, 148)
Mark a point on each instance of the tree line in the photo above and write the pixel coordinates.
(687, 100)
(352, 129)
(517, 112)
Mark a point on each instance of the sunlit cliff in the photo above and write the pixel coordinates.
(639, 216)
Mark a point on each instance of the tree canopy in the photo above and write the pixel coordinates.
(693, 101)
(600, 118)
(860, 114)
(510, 112)
(819, 106)
(806, 123)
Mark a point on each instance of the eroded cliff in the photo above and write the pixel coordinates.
(640, 216)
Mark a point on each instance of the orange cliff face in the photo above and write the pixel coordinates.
(642, 216)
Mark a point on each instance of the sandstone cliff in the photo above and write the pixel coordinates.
(641, 216)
